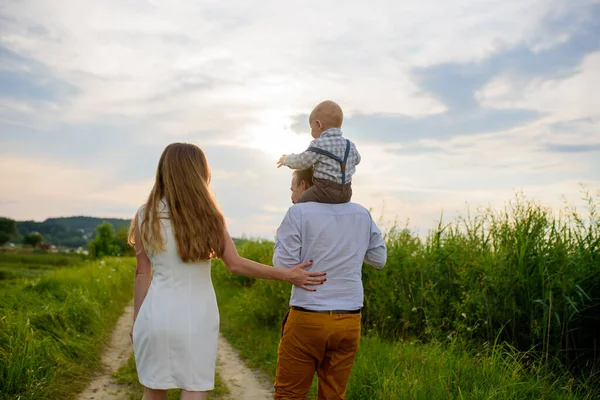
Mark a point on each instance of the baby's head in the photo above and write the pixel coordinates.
(325, 115)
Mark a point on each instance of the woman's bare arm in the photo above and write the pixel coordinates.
(295, 275)
(143, 274)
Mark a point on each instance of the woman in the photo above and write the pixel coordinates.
(175, 234)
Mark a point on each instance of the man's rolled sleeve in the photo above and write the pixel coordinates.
(288, 243)
(376, 255)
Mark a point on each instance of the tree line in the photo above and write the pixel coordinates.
(103, 240)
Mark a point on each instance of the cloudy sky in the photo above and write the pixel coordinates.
(449, 102)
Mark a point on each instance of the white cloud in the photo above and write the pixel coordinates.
(567, 98)
(206, 66)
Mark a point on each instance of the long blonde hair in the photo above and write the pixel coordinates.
(182, 180)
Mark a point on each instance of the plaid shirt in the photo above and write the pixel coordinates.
(325, 167)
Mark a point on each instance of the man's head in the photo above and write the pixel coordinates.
(326, 115)
(301, 180)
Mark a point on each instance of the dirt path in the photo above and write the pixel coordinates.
(115, 355)
(242, 382)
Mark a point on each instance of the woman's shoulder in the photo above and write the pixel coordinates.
(162, 210)
(141, 211)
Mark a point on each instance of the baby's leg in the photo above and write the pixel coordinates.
(324, 191)
(308, 195)
(338, 193)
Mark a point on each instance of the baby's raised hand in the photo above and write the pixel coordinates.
(280, 162)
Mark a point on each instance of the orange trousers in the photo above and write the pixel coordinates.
(316, 342)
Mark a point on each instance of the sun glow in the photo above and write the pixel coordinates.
(274, 136)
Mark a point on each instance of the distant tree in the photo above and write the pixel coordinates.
(32, 239)
(26, 227)
(73, 242)
(121, 241)
(104, 242)
(4, 237)
(8, 230)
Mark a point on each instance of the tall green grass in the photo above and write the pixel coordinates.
(411, 370)
(53, 329)
(10, 271)
(522, 275)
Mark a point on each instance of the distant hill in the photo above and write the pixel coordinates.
(70, 232)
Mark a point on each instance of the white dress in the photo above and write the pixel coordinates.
(176, 330)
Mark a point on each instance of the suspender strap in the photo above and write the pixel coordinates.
(343, 163)
(336, 158)
(325, 153)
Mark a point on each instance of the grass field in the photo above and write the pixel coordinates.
(53, 327)
(15, 265)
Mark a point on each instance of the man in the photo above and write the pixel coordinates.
(321, 332)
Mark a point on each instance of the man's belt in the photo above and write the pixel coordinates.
(326, 311)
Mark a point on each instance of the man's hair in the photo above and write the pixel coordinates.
(305, 175)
